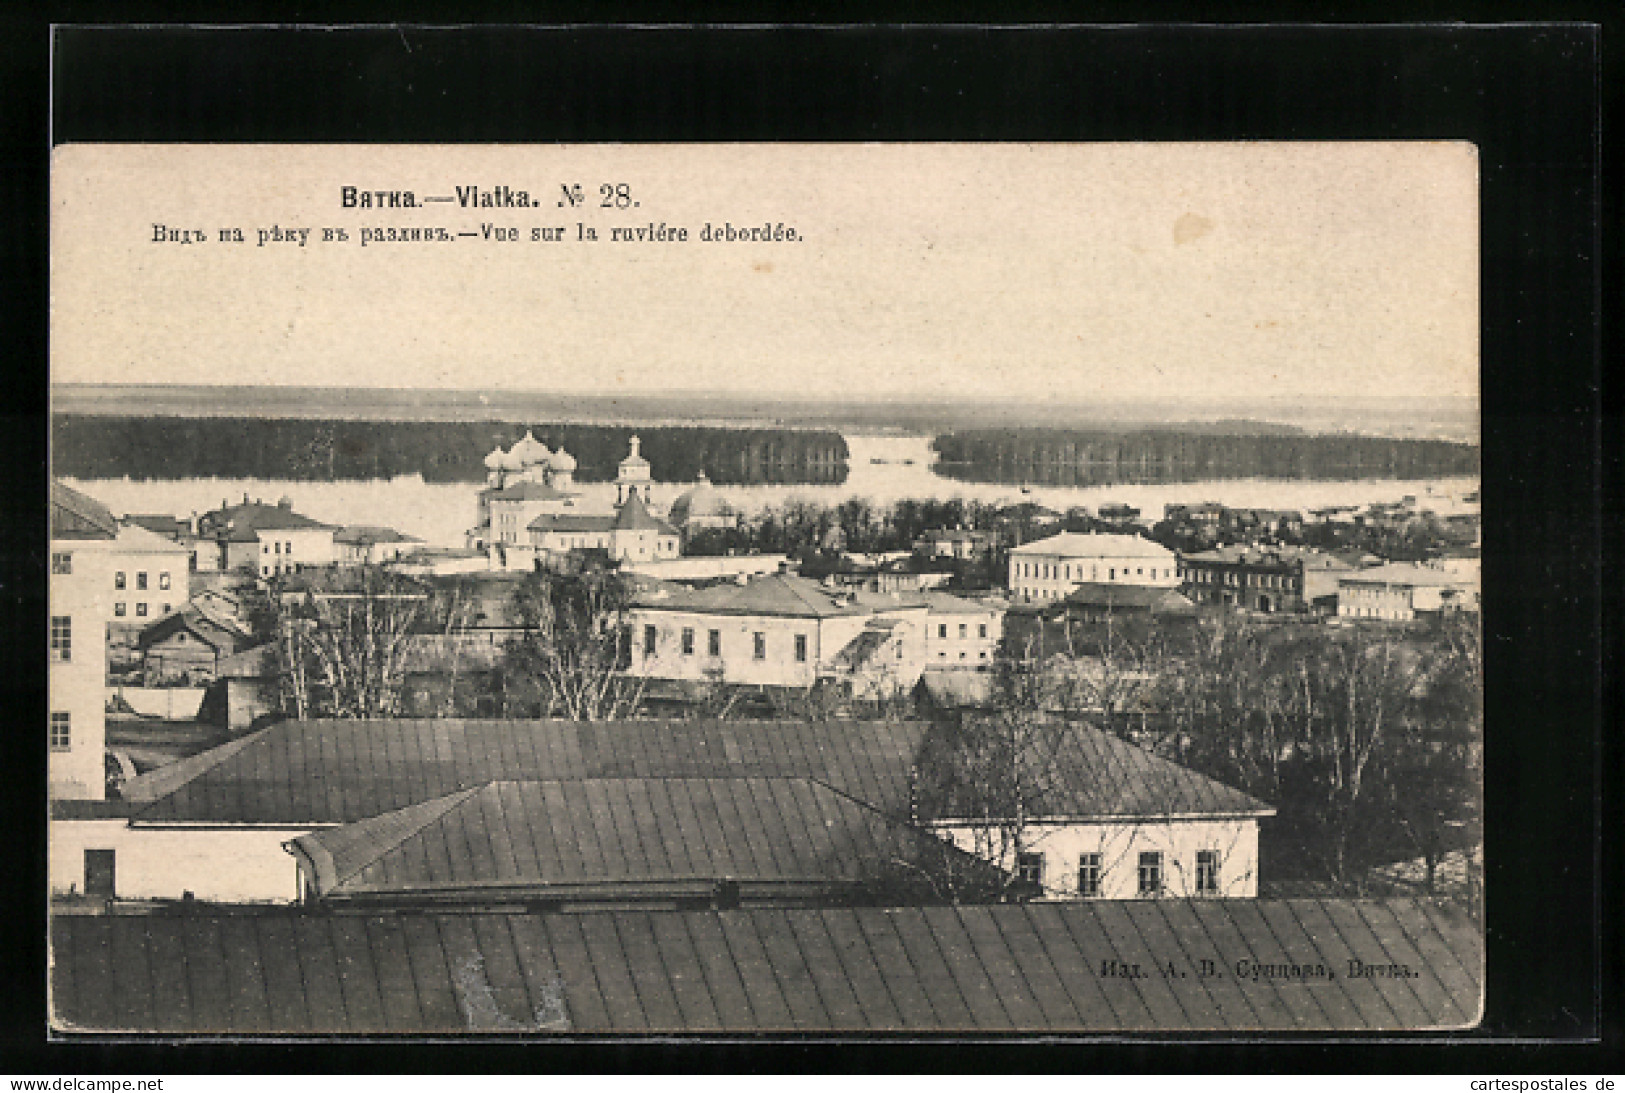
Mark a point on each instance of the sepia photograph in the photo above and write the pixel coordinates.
(764, 588)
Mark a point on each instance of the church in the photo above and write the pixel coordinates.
(531, 512)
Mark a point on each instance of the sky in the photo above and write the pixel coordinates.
(1077, 271)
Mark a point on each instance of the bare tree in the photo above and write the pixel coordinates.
(576, 646)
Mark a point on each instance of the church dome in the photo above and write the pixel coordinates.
(564, 461)
(530, 451)
(703, 500)
(494, 461)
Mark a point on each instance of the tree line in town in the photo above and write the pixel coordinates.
(327, 450)
(1063, 457)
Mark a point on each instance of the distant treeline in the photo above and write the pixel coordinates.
(327, 450)
(1060, 457)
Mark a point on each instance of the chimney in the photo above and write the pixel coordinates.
(284, 503)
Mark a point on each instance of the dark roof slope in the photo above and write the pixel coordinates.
(319, 772)
(242, 523)
(1074, 771)
(633, 515)
(1029, 966)
(1130, 597)
(76, 516)
(606, 835)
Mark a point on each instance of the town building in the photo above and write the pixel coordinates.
(1147, 830)
(678, 844)
(364, 544)
(1264, 579)
(962, 632)
(214, 824)
(82, 535)
(1401, 592)
(1239, 966)
(185, 647)
(267, 540)
(1094, 602)
(960, 544)
(1046, 570)
(780, 630)
(631, 534)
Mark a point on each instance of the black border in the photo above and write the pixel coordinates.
(1529, 96)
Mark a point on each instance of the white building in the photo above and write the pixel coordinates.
(268, 540)
(1400, 592)
(1112, 821)
(363, 544)
(1045, 570)
(632, 534)
(962, 632)
(82, 534)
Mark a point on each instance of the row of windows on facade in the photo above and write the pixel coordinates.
(1261, 580)
(119, 609)
(1045, 571)
(276, 548)
(62, 566)
(1092, 872)
(713, 643)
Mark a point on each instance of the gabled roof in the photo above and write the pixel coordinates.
(1399, 573)
(633, 515)
(214, 628)
(320, 772)
(1075, 772)
(76, 516)
(570, 522)
(668, 834)
(786, 595)
(243, 523)
(367, 534)
(962, 969)
(1071, 544)
(1130, 597)
(171, 527)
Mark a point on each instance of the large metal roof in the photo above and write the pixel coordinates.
(1275, 966)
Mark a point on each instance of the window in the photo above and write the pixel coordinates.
(141, 610)
(166, 609)
(61, 637)
(649, 639)
(713, 642)
(118, 609)
(163, 582)
(981, 630)
(801, 648)
(963, 631)
(99, 874)
(942, 630)
(141, 581)
(1089, 875)
(276, 548)
(61, 564)
(1151, 873)
(118, 581)
(1207, 872)
(1111, 574)
(1030, 870)
(287, 548)
(61, 730)
(758, 646)
(688, 641)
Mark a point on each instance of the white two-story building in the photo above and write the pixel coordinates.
(1045, 570)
